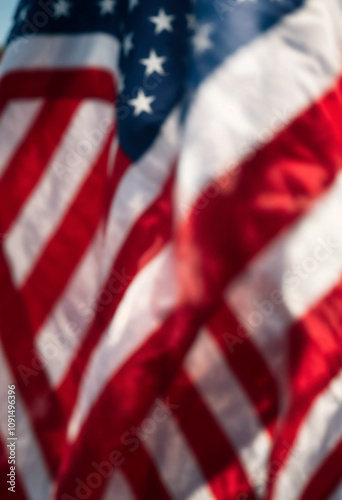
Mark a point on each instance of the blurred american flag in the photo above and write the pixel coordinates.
(171, 258)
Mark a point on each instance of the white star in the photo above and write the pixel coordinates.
(153, 63)
(106, 6)
(127, 44)
(61, 8)
(201, 40)
(142, 103)
(132, 4)
(23, 13)
(191, 20)
(162, 21)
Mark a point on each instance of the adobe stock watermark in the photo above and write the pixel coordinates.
(226, 7)
(287, 455)
(115, 285)
(130, 440)
(36, 21)
(87, 143)
(260, 480)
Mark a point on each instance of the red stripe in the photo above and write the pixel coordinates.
(240, 214)
(326, 478)
(149, 234)
(43, 408)
(136, 247)
(142, 473)
(248, 365)
(156, 361)
(65, 249)
(315, 357)
(151, 231)
(214, 453)
(58, 84)
(31, 158)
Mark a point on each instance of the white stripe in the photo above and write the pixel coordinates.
(173, 457)
(112, 154)
(230, 407)
(303, 264)
(50, 200)
(61, 335)
(94, 51)
(141, 311)
(257, 92)
(29, 461)
(337, 495)
(118, 487)
(139, 187)
(317, 437)
(15, 122)
(142, 183)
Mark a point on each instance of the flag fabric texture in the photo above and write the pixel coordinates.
(171, 249)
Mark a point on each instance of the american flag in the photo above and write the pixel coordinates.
(171, 257)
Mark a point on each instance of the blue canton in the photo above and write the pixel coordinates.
(167, 47)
